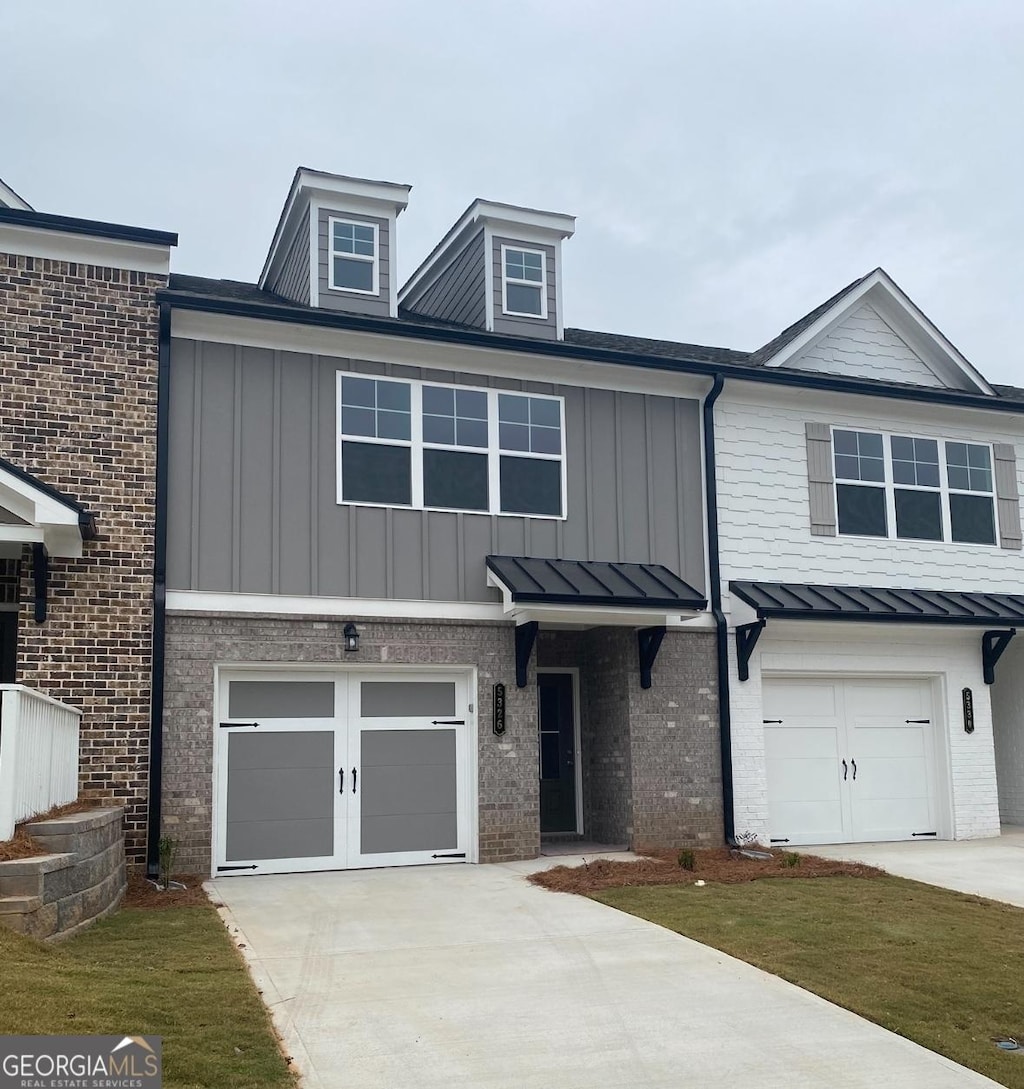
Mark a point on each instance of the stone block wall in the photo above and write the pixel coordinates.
(509, 816)
(78, 374)
(55, 895)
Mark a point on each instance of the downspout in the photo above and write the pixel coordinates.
(156, 734)
(721, 623)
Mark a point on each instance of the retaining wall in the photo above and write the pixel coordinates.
(54, 895)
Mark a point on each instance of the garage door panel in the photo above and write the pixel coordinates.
(281, 793)
(396, 834)
(795, 699)
(414, 747)
(280, 699)
(251, 840)
(412, 791)
(886, 742)
(888, 788)
(294, 749)
(801, 743)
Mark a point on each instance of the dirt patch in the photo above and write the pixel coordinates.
(717, 865)
(22, 845)
(142, 894)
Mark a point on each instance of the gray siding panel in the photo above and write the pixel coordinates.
(253, 499)
(1008, 500)
(292, 280)
(379, 305)
(525, 327)
(821, 494)
(459, 292)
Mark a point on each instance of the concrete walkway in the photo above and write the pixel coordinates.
(467, 977)
(985, 867)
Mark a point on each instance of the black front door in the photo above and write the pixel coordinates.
(8, 647)
(556, 720)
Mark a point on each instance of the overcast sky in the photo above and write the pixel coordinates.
(731, 163)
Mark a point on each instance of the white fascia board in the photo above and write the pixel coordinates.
(896, 307)
(84, 249)
(527, 224)
(594, 616)
(34, 504)
(393, 194)
(339, 608)
(431, 354)
(10, 199)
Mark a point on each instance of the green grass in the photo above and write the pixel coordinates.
(939, 967)
(172, 973)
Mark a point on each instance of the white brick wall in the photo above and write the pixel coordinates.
(863, 346)
(966, 791)
(1008, 720)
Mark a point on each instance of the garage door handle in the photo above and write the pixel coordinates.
(853, 764)
(341, 780)
(845, 770)
(448, 722)
(353, 780)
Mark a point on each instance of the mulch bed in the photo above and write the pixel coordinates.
(142, 894)
(717, 865)
(22, 845)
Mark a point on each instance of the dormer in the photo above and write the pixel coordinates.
(334, 247)
(499, 268)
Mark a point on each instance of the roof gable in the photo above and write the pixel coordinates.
(872, 330)
(10, 199)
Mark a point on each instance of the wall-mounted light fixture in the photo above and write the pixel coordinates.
(351, 637)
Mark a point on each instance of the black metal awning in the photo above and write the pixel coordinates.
(879, 604)
(586, 582)
(646, 588)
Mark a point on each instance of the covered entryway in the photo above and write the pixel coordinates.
(849, 760)
(319, 771)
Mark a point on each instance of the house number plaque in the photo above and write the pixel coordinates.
(499, 709)
(968, 696)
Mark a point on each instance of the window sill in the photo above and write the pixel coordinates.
(451, 510)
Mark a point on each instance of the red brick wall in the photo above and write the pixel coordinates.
(78, 385)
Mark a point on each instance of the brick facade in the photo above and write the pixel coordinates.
(509, 817)
(651, 764)
(78, 369)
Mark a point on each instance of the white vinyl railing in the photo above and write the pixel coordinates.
(38, 754)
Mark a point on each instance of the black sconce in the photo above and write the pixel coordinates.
(351, 637)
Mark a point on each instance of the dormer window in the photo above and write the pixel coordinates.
(353, 260)
(524, 282)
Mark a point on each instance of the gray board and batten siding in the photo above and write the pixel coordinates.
(459, 291)
(292, 280)
(253, 498)
(544, 328)
(354, 303)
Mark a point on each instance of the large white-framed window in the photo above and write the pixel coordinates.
(432, 446)
(353, 259)
(524, 282)
(913, 487)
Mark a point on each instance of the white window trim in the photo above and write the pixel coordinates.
(543, 285)
(492, 451)
(889, 485)
(332, 253)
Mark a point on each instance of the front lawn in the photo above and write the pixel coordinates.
(938, 967)
(172, 973)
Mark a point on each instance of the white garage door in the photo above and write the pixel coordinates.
(333, 771)
(849, 760)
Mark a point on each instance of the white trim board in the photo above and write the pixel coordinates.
(439, 355)
(85, 249)
(339, 608)
(906, 320)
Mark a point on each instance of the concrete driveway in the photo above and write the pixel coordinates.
(985, 867)
(467, 977)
